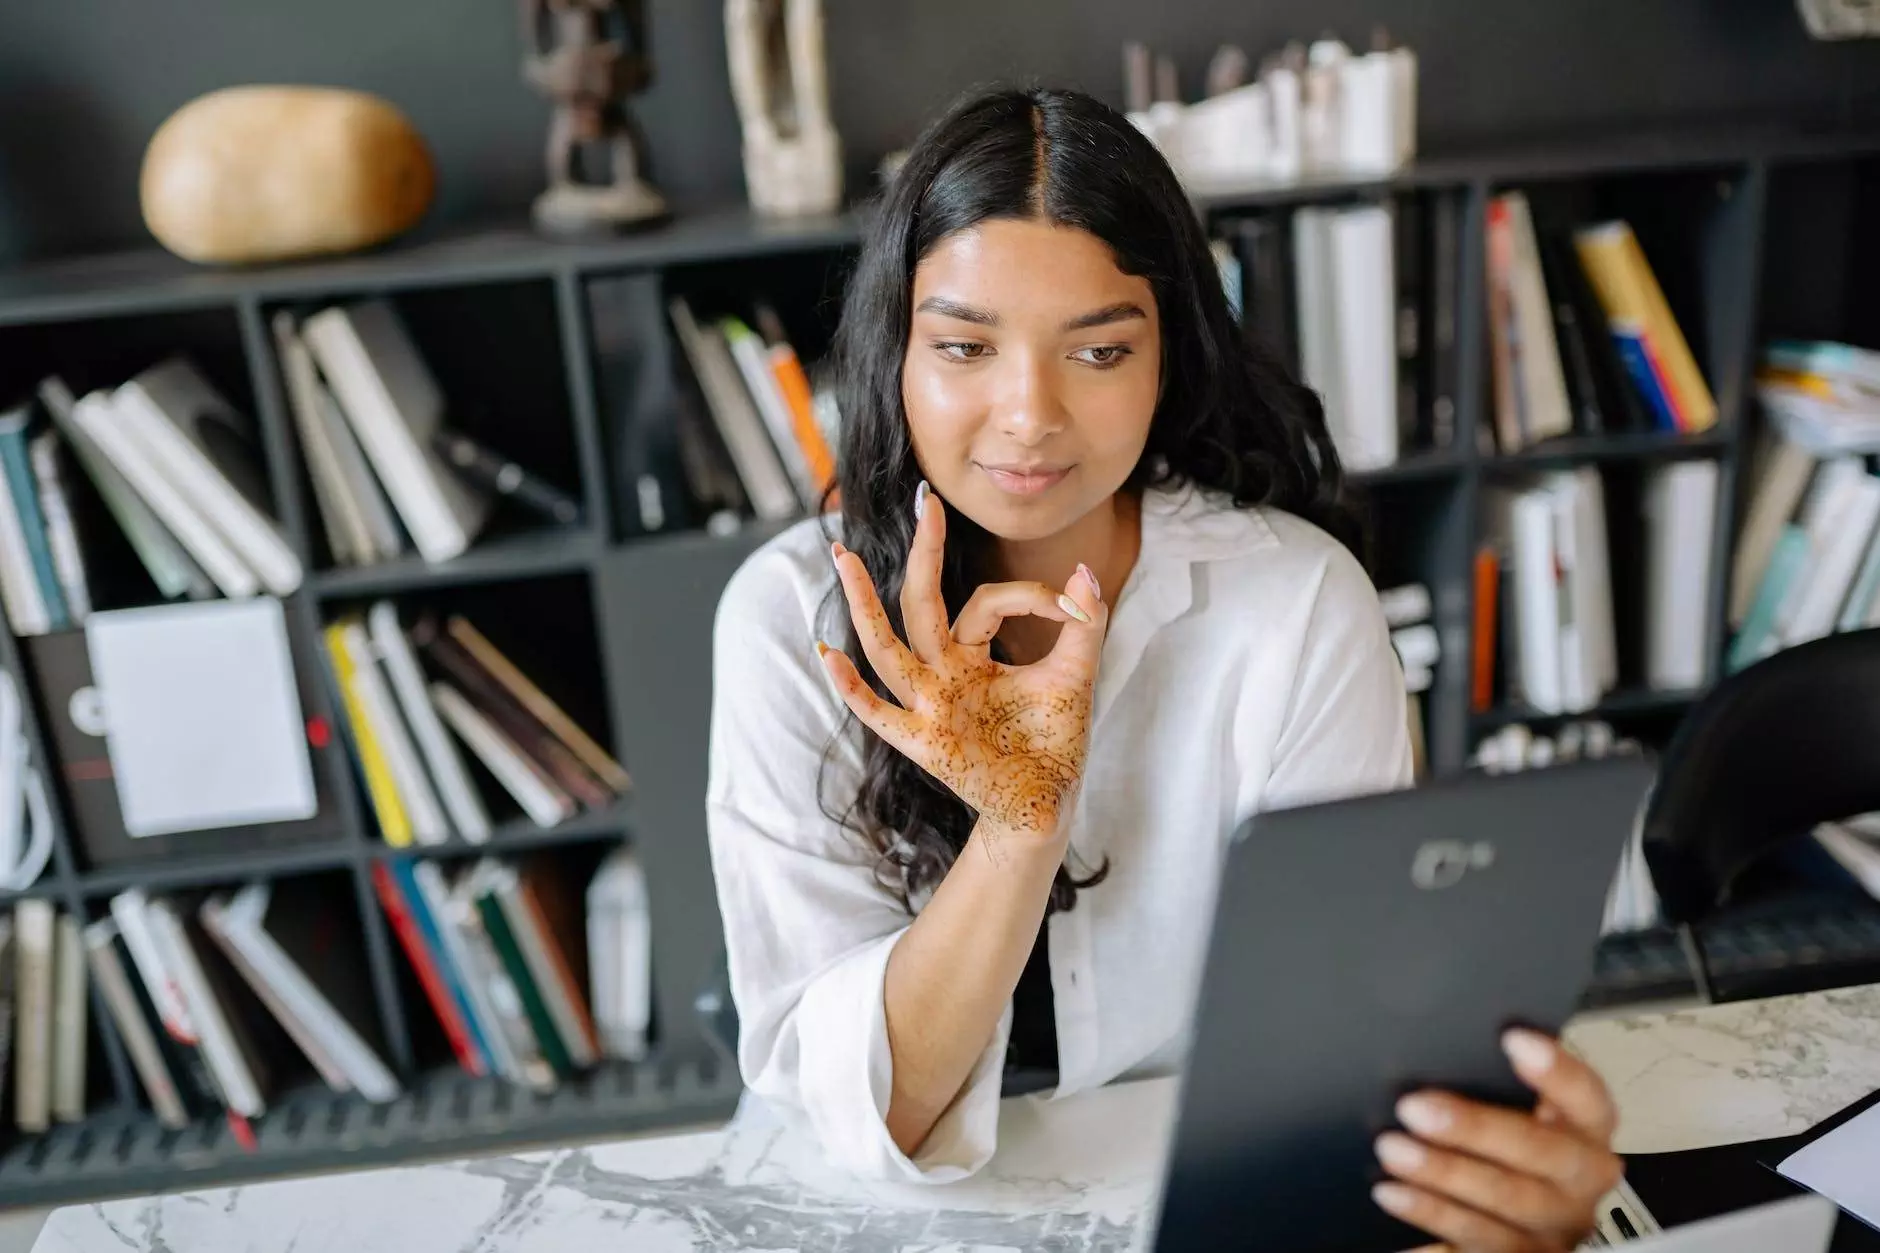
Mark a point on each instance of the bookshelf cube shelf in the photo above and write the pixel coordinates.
(566, 350)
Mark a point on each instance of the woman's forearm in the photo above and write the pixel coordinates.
(952, 973)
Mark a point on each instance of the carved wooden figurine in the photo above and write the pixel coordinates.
(588, 56)
(780, 80)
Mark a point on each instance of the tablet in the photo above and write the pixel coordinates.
(1365, 948)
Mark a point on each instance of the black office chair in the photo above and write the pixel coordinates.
(1771, 751)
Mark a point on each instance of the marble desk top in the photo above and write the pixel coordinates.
(1072, 1176)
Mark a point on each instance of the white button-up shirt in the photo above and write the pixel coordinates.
(1247, 666)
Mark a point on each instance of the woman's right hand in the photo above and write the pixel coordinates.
(1008, 740)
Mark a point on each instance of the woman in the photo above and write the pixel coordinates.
(1098, 609)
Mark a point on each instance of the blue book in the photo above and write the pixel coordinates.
(22, 485)
(1756, 639)
(1637, 359)
(444, 955)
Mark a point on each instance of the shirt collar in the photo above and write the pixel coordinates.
(1185, 523)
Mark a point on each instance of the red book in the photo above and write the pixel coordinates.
(443, 1003)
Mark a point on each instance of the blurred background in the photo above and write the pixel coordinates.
(388, 390)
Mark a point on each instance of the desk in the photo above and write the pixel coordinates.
(1071, 1176)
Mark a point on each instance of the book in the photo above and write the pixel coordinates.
(207, 451)
(22, 593)
(1629, 292)
(68, 559)
(163, 557)
(544, 802)
(1680, 519)
(402, 905)
(445, 766)
(799, 396)
(394, 407)
(23, 493)
(380, 708)
(381, 788)
(509, 952)
(35, 926)
(1544, 404)
(1782, 472)
(133, 1028)
(71, 1037)
(350, 538)
(749, 354)
(763, 476)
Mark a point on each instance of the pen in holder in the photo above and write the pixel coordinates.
(25, 814)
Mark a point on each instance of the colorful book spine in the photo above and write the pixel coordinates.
(401, 908)
(1636, 355)
(20, 481)
(534, 1007)
(1757, 639)
(394, 822)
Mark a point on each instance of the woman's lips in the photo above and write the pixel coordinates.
(1025, 480)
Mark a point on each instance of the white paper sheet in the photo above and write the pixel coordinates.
(1843, 1166)
(202, 719)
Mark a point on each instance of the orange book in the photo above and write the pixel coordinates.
(796, 393)
(1482, 646)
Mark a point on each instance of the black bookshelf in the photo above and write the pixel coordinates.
(584, 325)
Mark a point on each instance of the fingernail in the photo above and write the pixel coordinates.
(1399, 1152)
(835, 553)
(1092, 578)
(1393, 1197)
(1530, 1052)
(1424, 1115)
(1072, 608)
(822, 649)
(920, 500)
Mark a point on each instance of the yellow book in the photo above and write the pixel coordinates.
(1628, 291)
(394, 823)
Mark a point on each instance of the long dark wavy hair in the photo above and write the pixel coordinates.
(1231, 416)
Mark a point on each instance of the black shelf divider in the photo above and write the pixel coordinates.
(652, 600)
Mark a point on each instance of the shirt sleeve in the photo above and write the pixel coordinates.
(809, 925)
(1346, 730)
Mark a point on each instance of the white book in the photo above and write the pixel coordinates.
(1824, 512)
(340, 516)
(130, 909)
(544, 802)
(214, 915)
(1537, 601)
(220, 1050)
(619, 927)
(753, 361)
(1681, 517)
(395, 408)
(428, 824)
(243, 920)
(119, 435)
(454, 787)
(1784, 471)
(70, 1019)
(20, 593)
(133, 1028)
(362, 485)
(1316, 295)
(35, 926)
(1543, 383)
(1365, 313)
(68, 561)
(1596, 565)
(732, 410)
(192, 433)
(533, 947)
(1831, 575)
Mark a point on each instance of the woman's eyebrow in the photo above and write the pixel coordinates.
(954, 309)
(1122, 311)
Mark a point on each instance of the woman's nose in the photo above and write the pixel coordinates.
(1028, 407)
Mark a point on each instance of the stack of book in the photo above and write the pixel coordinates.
(221, 995)
(420, 788)
(1807, 560)
(1582, 340)
(1823, 396)
(523, 986)
(176, 467)
(1362, 301)
(768, 443)
(383, 463)
(44, 1034)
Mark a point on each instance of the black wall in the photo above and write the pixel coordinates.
(83, 83)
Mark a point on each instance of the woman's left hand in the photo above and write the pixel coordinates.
(1488, 1179)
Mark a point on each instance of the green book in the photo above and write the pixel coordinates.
(24, 489)
(496, 923)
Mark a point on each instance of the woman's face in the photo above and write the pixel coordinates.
(1032, 370)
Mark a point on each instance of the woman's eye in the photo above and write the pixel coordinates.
(1102, 355)
(961, 350)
